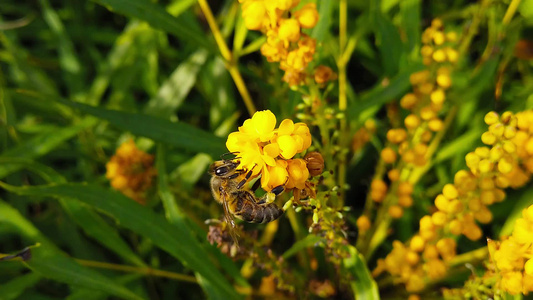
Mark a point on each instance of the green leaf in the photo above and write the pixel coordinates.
(363, 285)
(173, 91)
(410, 20)
(176, 238)
(84, 216)
(172, 212)
(481, 79)
(325, 8)
(460, 144)
(308, 241)
(240, 34)
(159, 18)
(381, 95)
(42, 144)
(388, 38)
(178, 134)
(526, 9)
(15, 287)
(68, 61)
(50, 262)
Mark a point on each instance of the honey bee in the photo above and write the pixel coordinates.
(237, 199)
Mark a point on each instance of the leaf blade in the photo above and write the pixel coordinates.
(176, 238)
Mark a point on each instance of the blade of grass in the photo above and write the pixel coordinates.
(410, 20)
(325, 9)
(48, 261)
(16, 286)
(308, 241)
(178, 134)
(159, 18)
(176, 238)
(173, 91)
(381, 95)
(93, 225)
(42, 144)
(389, 42)
(362, 284)
(33, 78)
(67, 56)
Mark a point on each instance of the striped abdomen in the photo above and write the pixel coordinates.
(246, 209)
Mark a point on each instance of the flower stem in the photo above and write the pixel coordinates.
(341, 65)
(469, 257)
(139, 270)
(231, 63)
(511, 10)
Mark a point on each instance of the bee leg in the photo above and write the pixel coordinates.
(271, 196)
(256, 185)
(246, 178)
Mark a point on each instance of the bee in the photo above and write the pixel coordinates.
(237, 199)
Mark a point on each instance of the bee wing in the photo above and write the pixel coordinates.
(230, 219)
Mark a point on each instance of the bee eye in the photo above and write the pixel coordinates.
(221, 171)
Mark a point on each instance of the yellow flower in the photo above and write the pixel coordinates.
(131, 171)
(254, 14)
(274, 51)
(298, 174)
(275, 175)
(512, 282)
(289, 30)
(267, 151)
(307, 16)
(292, 138)
(324, 74)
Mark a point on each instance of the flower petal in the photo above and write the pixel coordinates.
(286, 127)
(264, 123)
(271, 150)
(287, 146)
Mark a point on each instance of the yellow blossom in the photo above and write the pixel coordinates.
(289, 30)
(324, 74)
(307, 16)
(254, 14)
(131, 171)
(263, 150)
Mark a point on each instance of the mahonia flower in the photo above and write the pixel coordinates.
(270, 152)
(324, 74)
(513, 257)
(282, 25)
(464, 203)
(131, 171)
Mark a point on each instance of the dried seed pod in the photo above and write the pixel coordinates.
(315, 163)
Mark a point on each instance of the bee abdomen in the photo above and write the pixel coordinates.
(255, 213)
(249, 211)
(271, 212)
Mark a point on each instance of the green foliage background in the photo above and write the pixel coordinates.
(78, 78)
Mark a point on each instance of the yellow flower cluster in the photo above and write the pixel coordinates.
(131, 171)
(507, 163)
(510, 269)
(407, 147)
(286, 43)
(269, 152)
(438, 46)
(514, 257)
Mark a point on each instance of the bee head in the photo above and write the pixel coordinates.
(224, 168)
